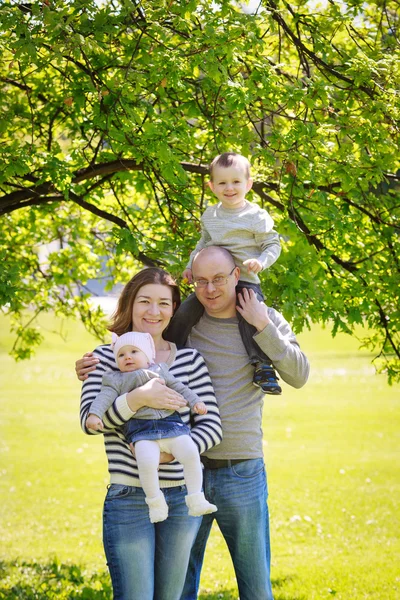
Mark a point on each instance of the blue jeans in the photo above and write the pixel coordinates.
(147, 561)
(155, 429)
(240, 493)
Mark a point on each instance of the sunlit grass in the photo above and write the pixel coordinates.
(332, 453)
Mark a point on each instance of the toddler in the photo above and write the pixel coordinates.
(246, 230)
(151, 430)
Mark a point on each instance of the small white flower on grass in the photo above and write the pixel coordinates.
(295, 518)
(307, 518)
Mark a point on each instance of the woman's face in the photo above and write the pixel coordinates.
(152, 309)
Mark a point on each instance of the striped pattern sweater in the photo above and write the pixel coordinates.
(189, 367)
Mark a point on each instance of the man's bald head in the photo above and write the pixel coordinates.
(212, 253)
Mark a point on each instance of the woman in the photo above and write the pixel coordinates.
(148, 561)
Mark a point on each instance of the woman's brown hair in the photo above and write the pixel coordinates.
(121, 320)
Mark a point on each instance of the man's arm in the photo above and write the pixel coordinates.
(275, 338)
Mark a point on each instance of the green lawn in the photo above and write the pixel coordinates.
(332, 452)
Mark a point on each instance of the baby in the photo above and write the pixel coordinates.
(151, 430)
(246, 230)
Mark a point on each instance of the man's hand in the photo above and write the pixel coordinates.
(253, 265)
(85, 365)
(187, 274)
(252, 310)
(95, 423)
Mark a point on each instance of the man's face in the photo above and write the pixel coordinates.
(218, 300)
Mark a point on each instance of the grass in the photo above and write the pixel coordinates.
(332, 462)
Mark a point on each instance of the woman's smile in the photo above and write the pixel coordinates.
(152, 309)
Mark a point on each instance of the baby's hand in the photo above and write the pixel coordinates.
(253, 265)
(93, 422)
(200, 408)
(187, 274)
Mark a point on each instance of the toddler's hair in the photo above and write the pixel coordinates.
(227, 159)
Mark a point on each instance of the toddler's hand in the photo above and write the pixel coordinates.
(187, 274)
(253, 265)
(200, 408)
(93, 422)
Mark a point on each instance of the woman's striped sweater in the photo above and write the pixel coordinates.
(188, 366)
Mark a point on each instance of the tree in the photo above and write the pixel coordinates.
(111, 111)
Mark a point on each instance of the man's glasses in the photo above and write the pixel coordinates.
(216, 282)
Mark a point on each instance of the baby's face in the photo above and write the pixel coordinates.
(131, 358)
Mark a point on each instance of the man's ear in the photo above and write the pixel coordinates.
(249, 184)
(236, 272)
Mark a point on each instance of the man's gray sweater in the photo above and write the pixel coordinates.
(240, 402)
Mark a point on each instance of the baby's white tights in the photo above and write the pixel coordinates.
(182, 448)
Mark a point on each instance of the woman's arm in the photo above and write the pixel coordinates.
(207, 429)
(91, 388)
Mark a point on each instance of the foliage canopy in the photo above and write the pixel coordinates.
(111, 110)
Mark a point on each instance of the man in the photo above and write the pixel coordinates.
(234, 473)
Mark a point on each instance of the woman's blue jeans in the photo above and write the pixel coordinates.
(240, 493)
(147, 561)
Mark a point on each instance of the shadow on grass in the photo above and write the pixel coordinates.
(277, 585)
(280, 594)
(67, 581)
(52, 580)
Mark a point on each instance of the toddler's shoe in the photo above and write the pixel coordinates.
(198, 505)
(266, 379)
(158, 508)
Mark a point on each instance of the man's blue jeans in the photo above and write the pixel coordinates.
(240, 493)
(147, 561)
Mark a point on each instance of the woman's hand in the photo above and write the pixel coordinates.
(155, 394)
(252, 310)
(85, 365)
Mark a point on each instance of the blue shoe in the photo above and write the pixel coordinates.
(266, 379)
